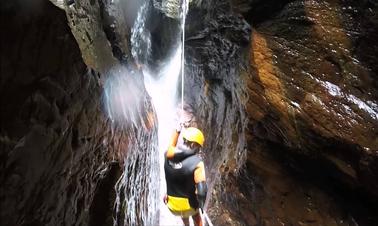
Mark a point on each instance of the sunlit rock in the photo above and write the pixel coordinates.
(59, 3)
(312, 113)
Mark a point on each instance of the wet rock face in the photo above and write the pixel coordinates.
(257, 11)
(309, 156)
(55, 143)
(102, 30)
(215, 45)
(313, 117)
(319, 87)
(214, 49)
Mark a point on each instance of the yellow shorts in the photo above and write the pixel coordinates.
(180, 207)
(185, 214)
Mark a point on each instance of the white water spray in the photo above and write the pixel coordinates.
(163, 92)
(140, 37)
(124, 106)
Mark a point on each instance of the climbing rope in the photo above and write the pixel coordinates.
(205, 217)
(183, 54)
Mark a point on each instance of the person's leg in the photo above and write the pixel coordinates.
(185, 220)
(197, 220)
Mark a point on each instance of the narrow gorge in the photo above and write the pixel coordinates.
(286, 93)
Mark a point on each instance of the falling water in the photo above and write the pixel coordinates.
(140, 37)
(139, 190)
(163, 91)
(129, 107)
(164, 97)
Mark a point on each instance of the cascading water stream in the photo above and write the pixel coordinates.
(163, 92)
(140, 37)
(130, 110)
(139, 191)
(128, 107)
(164, 97)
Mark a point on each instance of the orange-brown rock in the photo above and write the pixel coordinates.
(313, 117)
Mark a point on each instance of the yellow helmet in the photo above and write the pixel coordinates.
(194, 135)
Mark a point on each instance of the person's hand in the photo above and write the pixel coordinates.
(165, 199)
(182, 124)
(201, 202)
(179, 127)
(185, 124)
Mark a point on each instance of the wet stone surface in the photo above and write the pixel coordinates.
(286, 94)
(56, 146)
(312, 109)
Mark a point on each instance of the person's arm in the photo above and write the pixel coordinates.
(200, 181)
(172, 146)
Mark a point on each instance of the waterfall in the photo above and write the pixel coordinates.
(164, 97)
(163, 91)
(129, 108)
(128, 97)
(140, 37)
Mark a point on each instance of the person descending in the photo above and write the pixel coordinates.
(185, 175)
